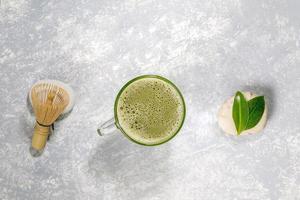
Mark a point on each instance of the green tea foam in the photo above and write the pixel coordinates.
(150, 110)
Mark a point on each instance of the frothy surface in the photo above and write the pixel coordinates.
(150, 110)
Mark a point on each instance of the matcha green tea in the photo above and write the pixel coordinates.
(150, 110)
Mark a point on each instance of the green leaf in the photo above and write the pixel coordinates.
(256, 110)
(240, 112)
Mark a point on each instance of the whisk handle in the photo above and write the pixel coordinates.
(40, 136)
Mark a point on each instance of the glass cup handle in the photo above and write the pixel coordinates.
(107, 127)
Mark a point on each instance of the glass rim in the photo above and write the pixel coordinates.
(139, 78)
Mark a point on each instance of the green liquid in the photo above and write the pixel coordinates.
(150, 110)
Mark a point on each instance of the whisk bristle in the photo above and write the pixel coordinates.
(48, 101)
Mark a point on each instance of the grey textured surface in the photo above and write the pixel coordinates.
(209, 49)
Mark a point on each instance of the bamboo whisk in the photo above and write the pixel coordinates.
(48, 101)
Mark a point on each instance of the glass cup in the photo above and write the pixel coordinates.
(162, 109)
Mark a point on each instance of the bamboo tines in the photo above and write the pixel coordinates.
(48, 102)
